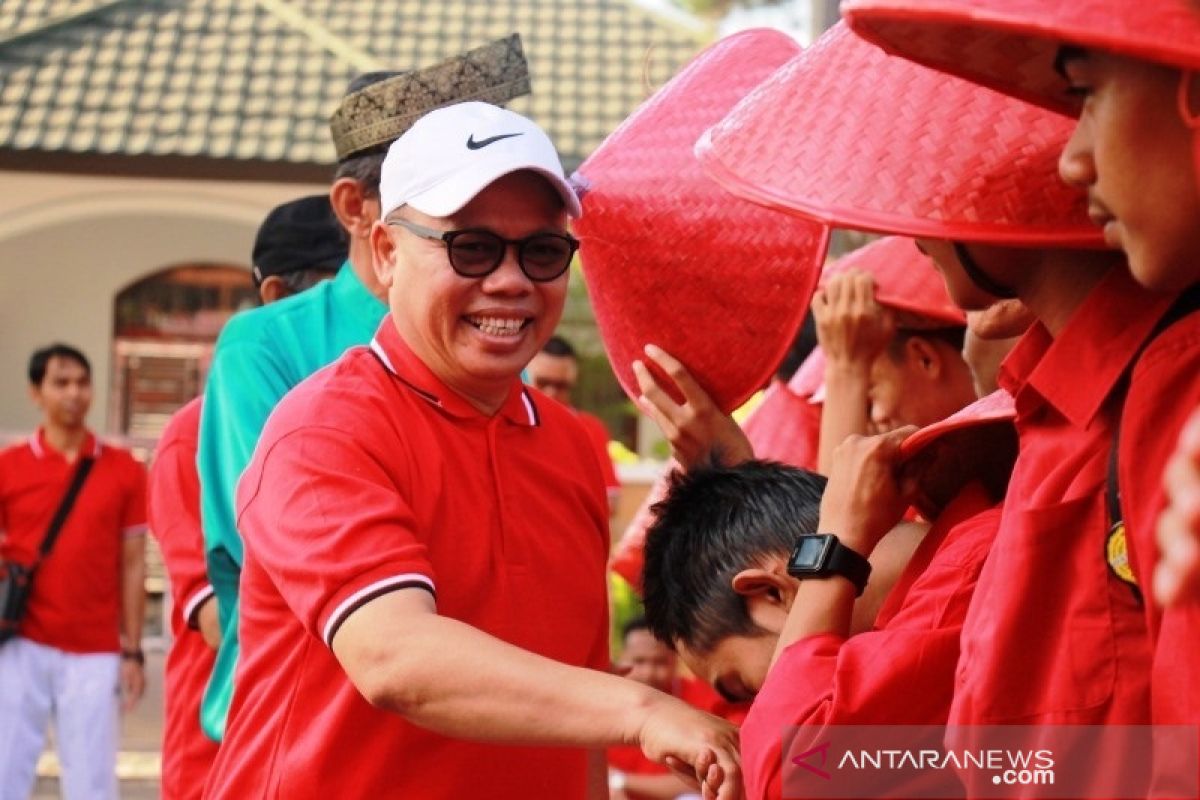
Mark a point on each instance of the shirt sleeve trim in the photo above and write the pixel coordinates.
(134, 530)
(194, 602)
(368, 593)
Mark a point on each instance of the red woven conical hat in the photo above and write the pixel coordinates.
(976, 443)
(905, 279)
(850, 136)
(1011, 44)
(672, 259)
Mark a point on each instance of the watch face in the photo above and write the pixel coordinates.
(810, 552)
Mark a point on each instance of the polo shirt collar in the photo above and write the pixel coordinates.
(350, 296)
(41, 449)
(1077, 372)
(399, 359)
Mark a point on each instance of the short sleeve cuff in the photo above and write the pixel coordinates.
(376, 588)
(192, 606)
(133, 531)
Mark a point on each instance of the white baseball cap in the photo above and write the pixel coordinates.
(450, 155)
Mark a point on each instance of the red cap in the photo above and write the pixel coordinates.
(978, 442)
(852, 137)
(1011, 45)
(672, 259)
(905, 279)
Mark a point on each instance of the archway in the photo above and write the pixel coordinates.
(164, 329)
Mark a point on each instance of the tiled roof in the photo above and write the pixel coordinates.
(256, 80)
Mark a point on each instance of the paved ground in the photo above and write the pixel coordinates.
(141, 732)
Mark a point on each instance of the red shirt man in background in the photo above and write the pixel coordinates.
(77, 654)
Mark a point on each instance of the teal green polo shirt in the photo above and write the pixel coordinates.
(260, 355)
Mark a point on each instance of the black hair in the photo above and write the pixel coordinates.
(715, 522)
(299, 280)
(558, 346)
(41, 358)
(953, 336)
(634, 625)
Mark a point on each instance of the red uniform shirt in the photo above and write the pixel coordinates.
(1052, 635)
(901, 673)
(174, 505)
(373, 476)
(1164, 390)
(75, 604)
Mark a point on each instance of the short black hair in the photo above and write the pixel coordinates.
(558, 346)
(634, 625)
(300, 280)
(41, 359)
(715, 522)
(953, 336)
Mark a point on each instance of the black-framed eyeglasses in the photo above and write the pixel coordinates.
(476, 252)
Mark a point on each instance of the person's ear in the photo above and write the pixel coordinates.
(923, 354)
(352, 207)
(768, 587)
(35, 395)
(383, 254)
(271, 289)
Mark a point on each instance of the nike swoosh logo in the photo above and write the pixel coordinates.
(474, 145)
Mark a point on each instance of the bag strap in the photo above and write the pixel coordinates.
(64, 507)
(1184, 305)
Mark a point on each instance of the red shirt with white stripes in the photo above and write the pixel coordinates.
(76, 600)
(174, 505)
(372, 476)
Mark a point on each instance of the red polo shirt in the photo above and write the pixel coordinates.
(76, 600)
(174, 505)
(900, 673)
(1052, 635)
(598, 434)
(373, 476)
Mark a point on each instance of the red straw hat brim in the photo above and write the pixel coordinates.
(850, 136)
(1010, 45)
(977, 443)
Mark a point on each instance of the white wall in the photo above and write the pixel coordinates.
(70, 244)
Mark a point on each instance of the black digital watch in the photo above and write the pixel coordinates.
(817, 555)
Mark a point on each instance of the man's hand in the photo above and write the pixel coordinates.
(851, 326)
(208, 622)
(700, 748)
(697, 429)
(864, 498)
(133, 683)
(1177, 574)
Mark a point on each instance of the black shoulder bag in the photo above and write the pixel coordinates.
(16, 580)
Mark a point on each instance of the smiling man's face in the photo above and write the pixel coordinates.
(476, 334)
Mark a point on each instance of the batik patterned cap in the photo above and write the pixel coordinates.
(850, 136)
(1011, 45)
(376, 115)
